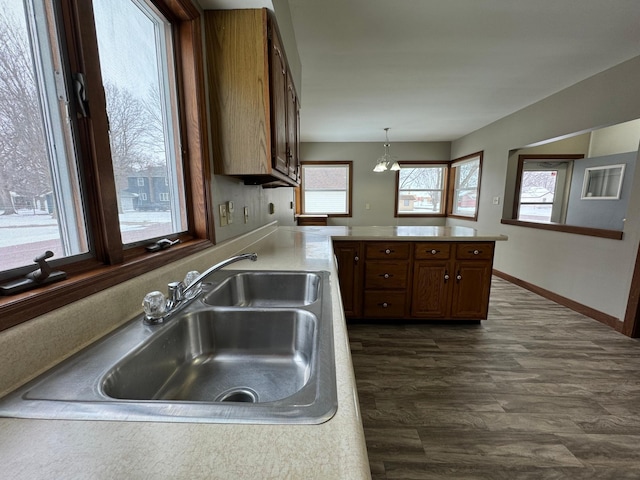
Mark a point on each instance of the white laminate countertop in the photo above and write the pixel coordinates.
(60, 449)
(409, 233)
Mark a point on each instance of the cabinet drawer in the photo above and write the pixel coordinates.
(476, 250)
(387, 250)
(388, 275)
(440, 251)
(384, 304)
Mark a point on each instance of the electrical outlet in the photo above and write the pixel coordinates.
(224, 220)
(272, 208)
(496, 200)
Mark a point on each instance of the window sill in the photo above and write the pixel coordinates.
(471, 218)
(557, 227)
(19, 308)
(419, 215)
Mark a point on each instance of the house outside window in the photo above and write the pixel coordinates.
(464, 188)
(420, 189)
(326, 188)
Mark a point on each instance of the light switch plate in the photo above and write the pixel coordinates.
(229, 213)
(223, 215)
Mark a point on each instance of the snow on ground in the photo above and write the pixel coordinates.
(28, 227)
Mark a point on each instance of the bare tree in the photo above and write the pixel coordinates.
(153, 105)
(135, 131)
(127, 131)
(545, 179)
(24, 163)
(135, 121)
(428, 180)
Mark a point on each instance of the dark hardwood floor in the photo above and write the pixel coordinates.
(537, 391)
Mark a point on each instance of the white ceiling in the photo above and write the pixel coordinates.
(435, 70)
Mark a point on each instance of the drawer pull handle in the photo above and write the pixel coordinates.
(434, 251)
(475, 252)
(388, 251)
(386, 275)
(384, 305)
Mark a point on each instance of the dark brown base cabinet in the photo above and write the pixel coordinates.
(415, 280)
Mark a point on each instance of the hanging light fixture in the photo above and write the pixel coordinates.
(386, 162)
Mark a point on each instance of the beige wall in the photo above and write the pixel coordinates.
(592, 271)
(619, 138)
(375, 189)
(257, 199)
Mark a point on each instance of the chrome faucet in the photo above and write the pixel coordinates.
(157, 307)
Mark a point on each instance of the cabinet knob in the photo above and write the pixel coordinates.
(458, 277)
(384, 304)
(387, 251)
(386, 275)
(476, 252)
(446, 277)
(356, 258)
(434, 251)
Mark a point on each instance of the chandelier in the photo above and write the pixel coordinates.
(386, 162)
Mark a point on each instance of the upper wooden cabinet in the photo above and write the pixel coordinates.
(253, 102)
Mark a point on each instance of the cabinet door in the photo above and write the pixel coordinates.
(348, 255)
(278, 84)
(293, 131)
(430, 294)
(470, 293)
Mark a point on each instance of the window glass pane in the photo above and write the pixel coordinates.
(465, 195)
(537, 195)
(420, 190)
(40, 206)
(136, 61)
(465, 202)
(325, 189)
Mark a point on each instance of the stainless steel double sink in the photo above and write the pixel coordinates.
(253, 347)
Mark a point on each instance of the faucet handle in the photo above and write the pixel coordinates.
(154, 305)
(190, 277)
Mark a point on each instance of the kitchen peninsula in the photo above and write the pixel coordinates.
(336, 449)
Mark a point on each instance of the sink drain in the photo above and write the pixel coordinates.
(244, 395)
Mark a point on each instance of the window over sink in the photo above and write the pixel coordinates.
(97, 181)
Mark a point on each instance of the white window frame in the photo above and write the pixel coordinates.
(344, 165)
(441, 189)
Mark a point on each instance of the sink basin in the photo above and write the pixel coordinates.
(260, 289)
(235, 354)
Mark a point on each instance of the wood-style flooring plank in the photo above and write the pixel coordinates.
(536, 391)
